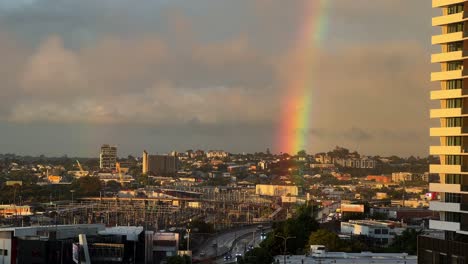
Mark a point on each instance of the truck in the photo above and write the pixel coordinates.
(317, 251)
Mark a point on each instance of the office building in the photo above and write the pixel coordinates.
(452, 134)
(159, 165)
(108, 157)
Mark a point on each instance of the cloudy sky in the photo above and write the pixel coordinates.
(176, 74)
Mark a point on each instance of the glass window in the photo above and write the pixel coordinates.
(452, 217)
(454, 122)
(455, 27)
(453, 160)
(453, 178)
(454, 103)
(454, 65)
(453, 141)
(454, 46)
(452, 198)
(377, 231)
(385, 231)
(454, 84)
(453, 9)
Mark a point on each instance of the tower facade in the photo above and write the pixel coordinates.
(452, 135)
(144, 169)
(108, 157)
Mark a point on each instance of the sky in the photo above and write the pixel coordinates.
(175, 75)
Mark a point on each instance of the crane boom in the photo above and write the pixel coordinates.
(117, 166)
(83, 173)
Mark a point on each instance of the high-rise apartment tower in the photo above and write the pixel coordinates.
(452, 132)
(108, 157)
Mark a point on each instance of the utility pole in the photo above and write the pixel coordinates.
(285, 239)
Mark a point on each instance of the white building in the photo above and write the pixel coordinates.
(217, 154)
(383, 232)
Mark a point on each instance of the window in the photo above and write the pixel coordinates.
(455, 46)
(454, 65)
(453, 178)
(455, 27)
(453, 9)
(453, 160)
(454, 103)
(454, 84)
(452, 217)
(385, 231)
(453, 141)
(452, 198)
(3, 252)
(384, 241)
(377, 231)
(454, 122)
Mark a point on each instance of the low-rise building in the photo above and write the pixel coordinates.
(380, 232)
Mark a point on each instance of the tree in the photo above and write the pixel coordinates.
(88, 186)
(330, 240)
(302, 153)
(257, 256)
(299, 227)
(406, 242)
(113, 186)
(178, 259)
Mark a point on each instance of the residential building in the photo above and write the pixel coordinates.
(276, 190)
(108, 157)
(159, 165)
(379, 178)
(358, 163)
(452, 134)
(402, 176)
(217, 154)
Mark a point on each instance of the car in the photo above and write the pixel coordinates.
(227, 257)
(202, 254)
(250, 247)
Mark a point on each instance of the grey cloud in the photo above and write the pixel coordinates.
(183, 73)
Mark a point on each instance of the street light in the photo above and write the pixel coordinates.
(188, 229)
(285, 239)
(73, 214)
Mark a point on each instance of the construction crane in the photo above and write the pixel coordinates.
(117, 166)
(83, 173)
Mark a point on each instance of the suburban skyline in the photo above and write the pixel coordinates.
(167, 75)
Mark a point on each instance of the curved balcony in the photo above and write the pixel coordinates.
(442, 3)
(449, 56)
(448, 94)
(448, 150)
(444, 225)
(449, 37)
(443, 206)
(447, 131)
(451, 169)
(448, 19)
(447, 112)
(448, 75)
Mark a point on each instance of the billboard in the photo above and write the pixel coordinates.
(352, 208)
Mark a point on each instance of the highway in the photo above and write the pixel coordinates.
(235, 239)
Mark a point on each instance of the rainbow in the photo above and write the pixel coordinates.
(296, 110)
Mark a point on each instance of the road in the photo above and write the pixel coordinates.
(240, 246)
(309, 260)
(224, 242)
